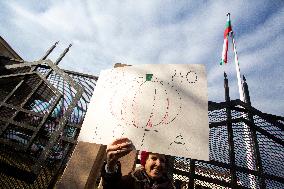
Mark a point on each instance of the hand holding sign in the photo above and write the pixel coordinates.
(117, 149)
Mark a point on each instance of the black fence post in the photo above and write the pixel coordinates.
(254, 137)
(230, 134)
(191, 175)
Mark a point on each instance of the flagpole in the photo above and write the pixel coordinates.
(248, 144)
(241, 92)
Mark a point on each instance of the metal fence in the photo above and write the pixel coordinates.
(42, 108)
(246, 149)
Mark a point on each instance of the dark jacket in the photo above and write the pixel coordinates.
(136, 179)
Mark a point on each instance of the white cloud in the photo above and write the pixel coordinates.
(137, 32)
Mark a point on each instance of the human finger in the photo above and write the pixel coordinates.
(119, 146)
(120, 140)
(115, 155)
(125, 145)
(118, 149)
(122, 152)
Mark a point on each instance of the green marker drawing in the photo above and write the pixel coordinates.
(149, 77)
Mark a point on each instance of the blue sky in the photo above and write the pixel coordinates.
(157, 32)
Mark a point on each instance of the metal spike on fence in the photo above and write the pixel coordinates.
(226, 86)
(63, 54)
(49, 51)
(246, 91)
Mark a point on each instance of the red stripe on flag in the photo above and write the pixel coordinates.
(227, 31)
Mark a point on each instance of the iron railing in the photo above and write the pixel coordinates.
(246, 149)
(42, 108)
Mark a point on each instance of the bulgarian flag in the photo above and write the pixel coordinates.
(228, 29)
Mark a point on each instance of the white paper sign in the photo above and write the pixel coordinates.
(162, 108)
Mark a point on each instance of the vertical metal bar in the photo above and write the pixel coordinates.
(170, 165)
(254, 137)
(257, 155)
(226, 87)
(49, 51)
(230, 134)
(62, 55)
(191, 175)
(246, 91)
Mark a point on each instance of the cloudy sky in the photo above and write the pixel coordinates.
(157, 32)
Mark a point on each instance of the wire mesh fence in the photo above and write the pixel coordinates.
(42, 108)
(254, 158)
(41, 111)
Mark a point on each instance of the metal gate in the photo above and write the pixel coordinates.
(246, 149)
(42, 108)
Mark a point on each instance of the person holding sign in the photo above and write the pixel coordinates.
(152, 173)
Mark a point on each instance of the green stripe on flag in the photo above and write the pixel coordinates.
(228, 24)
